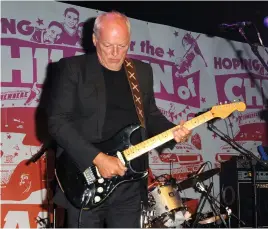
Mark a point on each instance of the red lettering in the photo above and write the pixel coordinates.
(8, 25)
(24, 28)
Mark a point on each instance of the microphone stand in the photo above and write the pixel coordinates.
(252, 159)
(254, 48)
(44, 150)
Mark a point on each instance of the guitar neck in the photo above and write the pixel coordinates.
(151, 143)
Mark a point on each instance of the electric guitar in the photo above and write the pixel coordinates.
(88, 189)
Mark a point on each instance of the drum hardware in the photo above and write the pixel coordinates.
(165, 209)
(196, 181)
(166, 204)
(193, 179)
(214, 205)
(146, 215)
(201, 206)
(167, 200)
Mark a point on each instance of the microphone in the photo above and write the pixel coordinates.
(236, 25)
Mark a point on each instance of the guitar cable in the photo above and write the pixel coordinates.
(80, 217)
(85, 200)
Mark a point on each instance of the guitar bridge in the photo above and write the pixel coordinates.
(89, 175)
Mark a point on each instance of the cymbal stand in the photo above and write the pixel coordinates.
(199, 186)
(201, 205)
(171, 180)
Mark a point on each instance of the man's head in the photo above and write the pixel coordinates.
(112, 38)
(71, 17)
(53, 32)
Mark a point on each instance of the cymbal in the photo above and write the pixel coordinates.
(212, 219)
(191, 181)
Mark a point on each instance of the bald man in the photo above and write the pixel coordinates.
(90, 102)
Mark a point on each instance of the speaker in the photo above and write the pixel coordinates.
(236, 192)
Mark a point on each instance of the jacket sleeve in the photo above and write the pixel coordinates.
(156, 121)
(61, 117)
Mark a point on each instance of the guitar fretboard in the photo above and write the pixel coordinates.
(151, 143)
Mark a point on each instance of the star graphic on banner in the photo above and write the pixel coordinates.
(8, 136)
(214, 135)
(39, 22)
(1, 144)
(170, 52)
(203, 100)
(2, 105)
(37, 100)
(12, 104)
(176, 34)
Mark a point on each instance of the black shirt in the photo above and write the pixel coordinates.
(120, 110)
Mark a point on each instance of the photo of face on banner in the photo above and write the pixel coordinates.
(71, 29)
(50, 35)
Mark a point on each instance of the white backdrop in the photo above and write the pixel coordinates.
(192, 72)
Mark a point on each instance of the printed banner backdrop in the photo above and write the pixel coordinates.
(192, 73)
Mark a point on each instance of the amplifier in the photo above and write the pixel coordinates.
(236, 191)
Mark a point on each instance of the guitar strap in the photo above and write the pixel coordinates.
(136, 94)
(135, 89)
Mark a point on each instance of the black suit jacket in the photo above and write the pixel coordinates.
(77, 108)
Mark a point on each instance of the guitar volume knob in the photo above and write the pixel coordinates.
(100, 189)
(97, 199)
(101, 180)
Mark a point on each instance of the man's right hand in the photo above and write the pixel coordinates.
(109, 166)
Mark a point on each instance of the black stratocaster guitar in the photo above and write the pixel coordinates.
(88, 189)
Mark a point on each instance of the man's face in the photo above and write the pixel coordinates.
(112, 43)
(52, 33)
(71, 19)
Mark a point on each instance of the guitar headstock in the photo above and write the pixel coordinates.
(224, 110)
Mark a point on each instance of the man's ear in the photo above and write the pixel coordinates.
(94, 39)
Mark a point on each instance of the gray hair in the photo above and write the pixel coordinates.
(97, 24)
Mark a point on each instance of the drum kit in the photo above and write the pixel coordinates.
(167, 209)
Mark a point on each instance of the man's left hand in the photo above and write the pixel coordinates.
(181, 134)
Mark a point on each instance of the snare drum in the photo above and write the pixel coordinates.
(166, 200)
